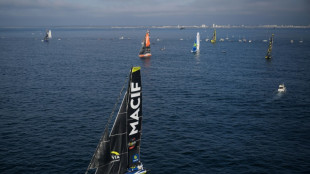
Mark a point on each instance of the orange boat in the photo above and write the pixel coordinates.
(146, 46)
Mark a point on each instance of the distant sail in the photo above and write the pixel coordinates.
(196, 46)
(46, 37)
(49, 34)
(145, 50)
(213, 40)
(268, 55)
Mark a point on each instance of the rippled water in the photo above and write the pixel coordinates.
(216, 112)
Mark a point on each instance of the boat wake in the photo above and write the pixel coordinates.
(278, 95)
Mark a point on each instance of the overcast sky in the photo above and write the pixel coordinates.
(153, 12)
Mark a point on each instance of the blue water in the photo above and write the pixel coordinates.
(214, 112)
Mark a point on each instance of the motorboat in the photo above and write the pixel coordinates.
(281, 88)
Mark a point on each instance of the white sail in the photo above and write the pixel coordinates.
(49, 33)
(198, 41)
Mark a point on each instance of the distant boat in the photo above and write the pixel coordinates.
(181, 28)
(145, 50)
(292, 41)
(221, 40)
(119, 151)
(213, 40)
(281, 88)
(268, 55)
(207, 39)
(48, 35)
(196, 45)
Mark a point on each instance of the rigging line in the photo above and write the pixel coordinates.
(117, 101)
(111, 115)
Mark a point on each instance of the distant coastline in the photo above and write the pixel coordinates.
(165, 26)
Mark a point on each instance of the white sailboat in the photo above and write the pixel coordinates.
(196, 46)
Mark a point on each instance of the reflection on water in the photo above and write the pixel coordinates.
(197, 57)
(146, 62)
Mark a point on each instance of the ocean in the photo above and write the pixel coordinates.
(218, 111)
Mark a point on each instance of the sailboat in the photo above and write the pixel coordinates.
(213, 40)
(47, 36)
(145, 50)
(268, 55)
(196, 45)
(119, 151)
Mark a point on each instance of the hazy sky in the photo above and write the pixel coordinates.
(153, 12)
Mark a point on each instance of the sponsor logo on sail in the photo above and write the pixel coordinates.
(135, 158)
(115, 155)
(132, 143)
(135, 105)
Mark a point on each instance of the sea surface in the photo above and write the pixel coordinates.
(218, 111)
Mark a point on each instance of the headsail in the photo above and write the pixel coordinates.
(119, 152)
(194, 49)
(145, 50)
(268, 55)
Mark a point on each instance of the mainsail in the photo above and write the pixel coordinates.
(268, 55)
(49, 34)
(145, 50)
(213, 40)
(119, 152)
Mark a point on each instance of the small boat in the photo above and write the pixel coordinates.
(196, 45)
(281, 88)
(181, 28)
(268, 55)
(119, 151)
(292, 41)
(145, 50)
(213, 40)
(221, 40)
(47, 36)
